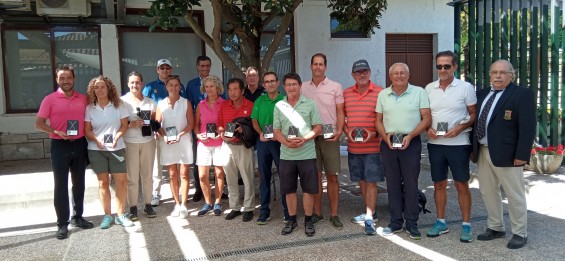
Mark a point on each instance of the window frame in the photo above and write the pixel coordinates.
(51, 29)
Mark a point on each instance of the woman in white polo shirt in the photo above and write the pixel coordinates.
(105, 123)
(140, 145)
(177, 121)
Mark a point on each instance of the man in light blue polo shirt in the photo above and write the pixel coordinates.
(402, 109)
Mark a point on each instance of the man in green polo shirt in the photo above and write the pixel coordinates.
(403, 113)
(296, 123)
(268, 149)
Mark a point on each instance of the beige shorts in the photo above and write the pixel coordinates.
(328, 158)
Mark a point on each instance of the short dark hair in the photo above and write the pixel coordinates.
(319, 55)
(238, 81)
(271, 73)
(292, 76)
(454, 60)
(202, 58)
(135, 73)
(65, 68)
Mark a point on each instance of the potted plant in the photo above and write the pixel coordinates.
(546, 160)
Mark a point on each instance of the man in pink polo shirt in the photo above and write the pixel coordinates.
(65, 110)
(328, 96)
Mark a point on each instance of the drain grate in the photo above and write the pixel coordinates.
(278, 246)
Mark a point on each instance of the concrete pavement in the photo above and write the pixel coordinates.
(27, 227)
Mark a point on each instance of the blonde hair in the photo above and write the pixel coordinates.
(214, 79)
(113, 95)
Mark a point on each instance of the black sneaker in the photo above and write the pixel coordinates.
(233, 214)
(309, 229)
(414, 233)
(225, 196)
(149, 212)
(133, 214)
(81, 222)
(247, 216)
(62, 232)
(289, 227)
(490, 235)
(517, 242)
(197, 196)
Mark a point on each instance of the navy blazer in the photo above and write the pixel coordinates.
(512, 127)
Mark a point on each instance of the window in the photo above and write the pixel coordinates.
(31, 57)
(339, 30)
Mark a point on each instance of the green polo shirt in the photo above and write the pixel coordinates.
(263, 110)
(302, 116)
(401, 114)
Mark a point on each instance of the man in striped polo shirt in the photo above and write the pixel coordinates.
(364, 154)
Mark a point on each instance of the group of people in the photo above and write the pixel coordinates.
(300, 133)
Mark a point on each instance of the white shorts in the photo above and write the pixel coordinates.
(208, 156)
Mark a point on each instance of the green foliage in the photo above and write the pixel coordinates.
(358, 15)
(165, 12)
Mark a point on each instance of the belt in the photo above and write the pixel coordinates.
(234, 143)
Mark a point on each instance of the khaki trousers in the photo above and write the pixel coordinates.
(511, 180)
(239, 160)
(139, 162)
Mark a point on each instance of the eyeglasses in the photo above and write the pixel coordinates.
(270, 82)
(294, 84)
(443, 66)
(499, 72)
(165, 68)
(362, 72)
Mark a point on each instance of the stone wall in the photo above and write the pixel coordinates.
(24, 146)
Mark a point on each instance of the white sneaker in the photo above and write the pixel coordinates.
(155, 200)
(176, 211)
(183, 212)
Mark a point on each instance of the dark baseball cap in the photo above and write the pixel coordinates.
(360, 65)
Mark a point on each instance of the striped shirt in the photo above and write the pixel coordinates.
(227, 113)
(360, 113)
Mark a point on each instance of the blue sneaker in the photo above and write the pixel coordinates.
(370, 227)
(361, 219)
(217, 210)
(204, 210)
(466, 235)
(124, 220)
(107, 222)
(389, 231)
(438, 229)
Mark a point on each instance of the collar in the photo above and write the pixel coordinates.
(302, 98)
(278, 98)
(370, 88)
(323, 82)
(62, 94)
(97, 106)
(454, 83)
(408, 90)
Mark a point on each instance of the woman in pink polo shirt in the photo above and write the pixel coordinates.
(105, 122)
(208, 150)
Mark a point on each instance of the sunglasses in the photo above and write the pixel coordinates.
(443, 66)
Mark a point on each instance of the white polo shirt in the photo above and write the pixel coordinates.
(133, 135)
(105, 121)
(451, 106)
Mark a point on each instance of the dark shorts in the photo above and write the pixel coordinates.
(328, 158)
(456, 158)
(367, 167)
(291, 170)
(107, 161)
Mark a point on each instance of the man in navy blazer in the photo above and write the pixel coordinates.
(502, 140)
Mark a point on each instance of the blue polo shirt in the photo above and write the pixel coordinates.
(157, 91)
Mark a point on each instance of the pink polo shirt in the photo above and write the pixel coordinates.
(209, 115)
(326, 95)
(57, 108)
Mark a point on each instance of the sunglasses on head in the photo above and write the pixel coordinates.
(443, 66)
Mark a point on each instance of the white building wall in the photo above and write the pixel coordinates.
(312, 35)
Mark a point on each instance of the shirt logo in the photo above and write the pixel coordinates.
(508, 115)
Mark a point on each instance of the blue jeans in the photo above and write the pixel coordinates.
(267, 152)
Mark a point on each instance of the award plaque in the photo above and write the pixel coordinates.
(145, 116)
(441, 128)
(72, 127)
(292, 132)
(108, 139)
(210, 130)
(171, 133)
(268, 132)
(328, 131)
(358, 134)
(230, 129)
(397, 140)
